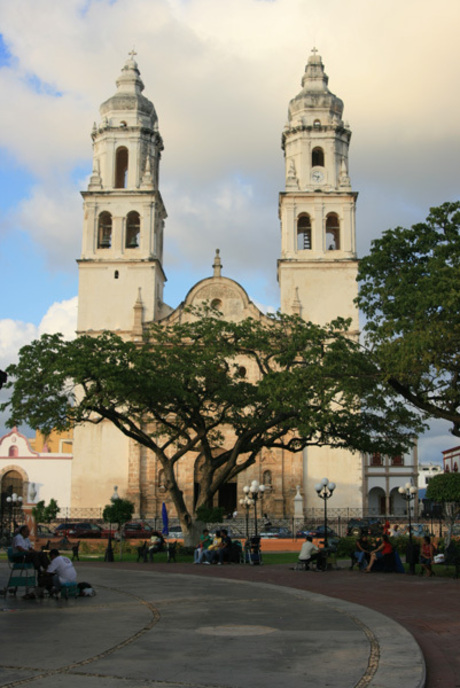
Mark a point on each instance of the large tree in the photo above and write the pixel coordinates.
(410, 295)
(218, 389)
(445, 488)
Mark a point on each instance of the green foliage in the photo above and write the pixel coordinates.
(409, 294)
(45, 514)
(206, 514)
(444, 487)
(120, 511)
(183, 389)
(346, 547)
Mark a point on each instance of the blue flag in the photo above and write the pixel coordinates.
(164, 516)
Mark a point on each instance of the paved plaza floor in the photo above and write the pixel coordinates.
(167, 627)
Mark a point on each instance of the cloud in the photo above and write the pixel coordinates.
(51, 215)
(60, 317)
(221, 76)
(14, 334)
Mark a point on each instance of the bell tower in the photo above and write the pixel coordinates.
(318, 265)
(122, 251)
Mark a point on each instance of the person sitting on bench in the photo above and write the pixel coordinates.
(24, 552)
(225, 549)
(157, 543)
(362, 551)
(384, 549)
(308, 552)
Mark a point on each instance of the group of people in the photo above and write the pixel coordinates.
(213, 550)
(53, 570)
(369, 552)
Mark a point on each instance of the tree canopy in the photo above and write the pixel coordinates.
(445, 488)
(119, 511)
(45, 514)
(222, 390)
(410, 295)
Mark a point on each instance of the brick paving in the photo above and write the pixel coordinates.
(429, 608)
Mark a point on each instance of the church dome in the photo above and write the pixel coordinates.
(315, 97)
(129, 99)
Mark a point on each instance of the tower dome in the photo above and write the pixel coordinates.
(315, 103)
(128, 106)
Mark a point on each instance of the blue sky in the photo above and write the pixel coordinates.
(221, 76)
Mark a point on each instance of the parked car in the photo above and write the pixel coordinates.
(317, 532)
(276, 532)
(45, 532)
(78, 530)
(137, 529)
(175, 532)
(369, 525)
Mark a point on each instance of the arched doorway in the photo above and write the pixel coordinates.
(11, 483)
(398, 506)
(377, 501)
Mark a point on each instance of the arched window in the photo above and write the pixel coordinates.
(161, 479)
(121, 168)
(332, 232)
(13, 450)
(303, 233)
(317, 124)
(317, 157)
(104, 230)
(397, 461)
(267, 478)
(133, 229)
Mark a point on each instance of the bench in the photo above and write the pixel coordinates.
(22, 574)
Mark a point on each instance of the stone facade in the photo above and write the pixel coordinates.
(122, 278)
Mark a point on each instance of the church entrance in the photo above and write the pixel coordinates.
(227, 497)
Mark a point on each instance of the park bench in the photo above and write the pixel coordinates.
(22, 574)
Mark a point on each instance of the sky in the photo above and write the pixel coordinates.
(221, 74)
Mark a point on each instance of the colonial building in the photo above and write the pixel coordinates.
(451, 460)
(382, 476)
(121, 279)
(35, 474)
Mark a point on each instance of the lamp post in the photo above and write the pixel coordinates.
(325, 490)
(408, 492)
(109, 550)
(13, 502)
(246, 503)
(253, 492)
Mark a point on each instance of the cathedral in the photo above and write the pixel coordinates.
(122, 275)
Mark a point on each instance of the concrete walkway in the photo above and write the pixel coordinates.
(154, 626)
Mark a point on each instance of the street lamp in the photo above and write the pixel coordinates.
(408, 492)
(246, 503)
(325, 490)
(253, 492)
(109, 550)
(13, 502)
